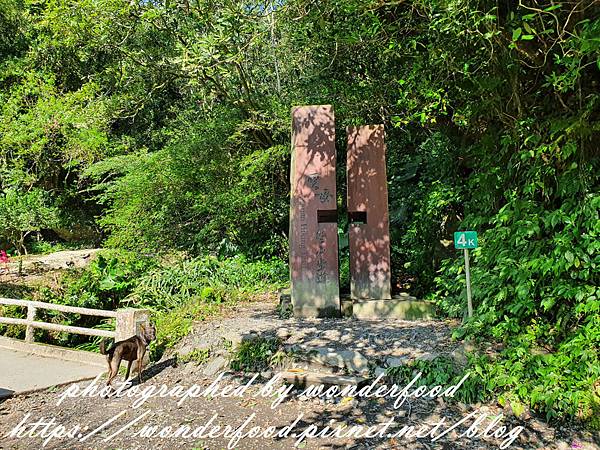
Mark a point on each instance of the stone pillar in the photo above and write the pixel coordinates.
(369, 237)
(313, 214)
(129, 321)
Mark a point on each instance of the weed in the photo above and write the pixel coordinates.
(255, 355)
(198, 355)
(439, 371)
(285, 310)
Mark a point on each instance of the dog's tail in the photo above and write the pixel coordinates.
(102, 347)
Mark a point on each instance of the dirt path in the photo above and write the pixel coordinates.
(259, 319)
(90, 413)
(37, 269)
(369, 343)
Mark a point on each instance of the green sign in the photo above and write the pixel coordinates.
(465, 239)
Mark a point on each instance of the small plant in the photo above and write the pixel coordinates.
(441, 371)
(285, 310)
(227, 345)
(198, 355)
(255, 355)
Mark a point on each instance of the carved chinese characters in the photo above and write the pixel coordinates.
(313, 216)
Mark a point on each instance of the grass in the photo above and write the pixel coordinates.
(174, 324)
(177, 291)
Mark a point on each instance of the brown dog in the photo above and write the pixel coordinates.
(132, 349)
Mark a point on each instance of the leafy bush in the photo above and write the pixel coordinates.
(22, 213)
(535, 287)
(442, 371)
(106, 282)
(189, 194)
(559, 384)
(192, 290)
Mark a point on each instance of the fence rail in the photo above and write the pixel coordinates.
(127, 320)
(62, 308)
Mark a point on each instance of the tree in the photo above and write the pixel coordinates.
(22, 213)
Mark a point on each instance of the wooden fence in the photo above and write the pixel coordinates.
(127, 320)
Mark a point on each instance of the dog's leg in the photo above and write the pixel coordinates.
(114, 368)
(128, 370)
(140, 358)
(110, 375)
(109, 371)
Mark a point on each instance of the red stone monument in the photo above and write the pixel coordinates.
(369, 237)
(313, 214)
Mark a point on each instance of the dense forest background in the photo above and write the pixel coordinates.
(162, 126)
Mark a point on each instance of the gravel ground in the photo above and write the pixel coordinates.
(375, 339)
(91, 413)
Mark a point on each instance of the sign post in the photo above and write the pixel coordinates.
(466, 240)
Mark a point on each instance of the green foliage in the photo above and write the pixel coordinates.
(22, 213)
(12, 19)
(193, 290)
(189, 196)
(425, 203)
(558, 383)
(440, 371)
(535, 285)
(48, 135)
(174, 324)
(198, 355)
(106, 282)
(170, 123)
(207, 279)
(13, 331)
(255, 355)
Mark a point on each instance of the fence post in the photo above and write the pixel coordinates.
(129, 321)
(31, 311)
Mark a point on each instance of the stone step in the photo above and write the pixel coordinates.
(349, 361)
(403, 308)
(302, 378)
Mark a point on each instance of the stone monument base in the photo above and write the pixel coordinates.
(403, 307)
